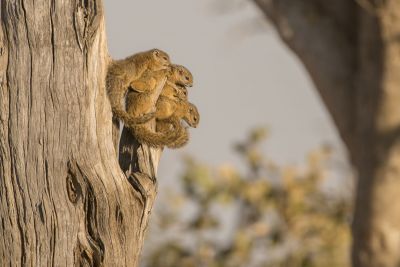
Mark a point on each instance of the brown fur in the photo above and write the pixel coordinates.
(122, 73)
(170, 113)
(139, 102)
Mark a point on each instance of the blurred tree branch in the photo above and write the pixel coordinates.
(314, 31)
(350, 49)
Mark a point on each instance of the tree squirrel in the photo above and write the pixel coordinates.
(139, 102)
(122, 73)
(172, 91)
(143, 100)
(170, 112)
(176, 74)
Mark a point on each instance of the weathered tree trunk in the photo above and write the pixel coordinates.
(64, 200)
(352, 52)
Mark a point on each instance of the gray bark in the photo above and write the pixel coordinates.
(64, 200)
(351, 50)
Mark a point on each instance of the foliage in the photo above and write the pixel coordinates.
(266, 215)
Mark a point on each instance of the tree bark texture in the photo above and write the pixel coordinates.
(352, 51)
(64, 200)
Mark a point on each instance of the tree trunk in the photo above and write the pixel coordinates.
(64, 200)
(376, 225)
(351, 50)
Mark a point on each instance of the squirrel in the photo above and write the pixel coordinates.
(174, 92)
(140, 101)
(122, 73)
(170, 111)
(172, 106)
(150, 86)
(143, 101)
(177, 75)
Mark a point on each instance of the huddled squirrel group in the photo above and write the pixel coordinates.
(140, 77)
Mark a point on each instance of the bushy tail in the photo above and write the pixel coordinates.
(151, 138)
(181, 137)
(181, 140)
(116, 93)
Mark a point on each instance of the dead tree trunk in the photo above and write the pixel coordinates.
(351, 50)
(64, 200)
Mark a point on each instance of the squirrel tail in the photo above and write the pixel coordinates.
(116, 92)
(181, 137)
(182, 140)
(151, 138)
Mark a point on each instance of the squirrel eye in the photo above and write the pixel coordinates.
(165, 58)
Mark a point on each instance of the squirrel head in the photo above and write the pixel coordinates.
(192, 116)
(181, 76)
(181, 93)
(160, 60)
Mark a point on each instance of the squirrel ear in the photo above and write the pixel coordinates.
(156, 52)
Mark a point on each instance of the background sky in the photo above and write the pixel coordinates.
(244, 77)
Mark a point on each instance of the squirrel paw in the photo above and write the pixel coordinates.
(146, 117)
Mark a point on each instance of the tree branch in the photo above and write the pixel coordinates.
(327, 53)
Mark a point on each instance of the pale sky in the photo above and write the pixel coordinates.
(244, 76)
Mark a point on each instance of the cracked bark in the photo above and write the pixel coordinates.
(351, 51)
(64, 200)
